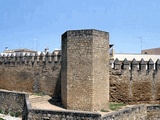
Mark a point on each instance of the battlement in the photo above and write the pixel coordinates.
(136, 65)
(135, 81)
(12, 60)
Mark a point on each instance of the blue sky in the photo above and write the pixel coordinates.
(36, 24)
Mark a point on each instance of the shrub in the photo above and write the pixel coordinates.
(1, 111)
(17, 114)
(6, 112)
(116, 106)
(12, 114)
(103, 110)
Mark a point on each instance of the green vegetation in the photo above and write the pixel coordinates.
(103, 110)
(0, 110)
(13, 114)
(6, 112)
(39, 94)
(2, 119)
(115, 106)
(17, 114)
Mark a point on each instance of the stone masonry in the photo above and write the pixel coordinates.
(31, 73)
(85, 70)
(132, 83)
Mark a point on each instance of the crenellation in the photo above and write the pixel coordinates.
(142, 65)
(134, 64)
(150, 65)
(117, 64)
(140, 83)
(55, 56)
(15, 60)
(125, 64)
(157, 65)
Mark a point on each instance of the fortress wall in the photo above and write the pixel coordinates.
(31, 73)
(132, 83)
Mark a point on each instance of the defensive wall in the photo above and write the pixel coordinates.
(84, 51)
(17, 102)
(130, 82)
(31, 73)
(135, 82)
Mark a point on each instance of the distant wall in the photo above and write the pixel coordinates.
(135, 82)
(31, 73)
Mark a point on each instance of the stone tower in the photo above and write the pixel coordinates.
(85, 70)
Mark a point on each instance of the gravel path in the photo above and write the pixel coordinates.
(42, 102)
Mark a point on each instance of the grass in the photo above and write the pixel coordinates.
(115, 106)
(104, 110)
(1, 119)
(39, 94)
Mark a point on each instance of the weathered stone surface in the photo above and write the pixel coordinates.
(12, 102)
(85, 70)
(131, 113)
(39, 75)
(138, 85)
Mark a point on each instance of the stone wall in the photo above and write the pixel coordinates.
(31, 73)
(60, 115)
(18, 102)
(153, 112)
(135, 82)
(11, 102)
(131, 113)
(85, 78)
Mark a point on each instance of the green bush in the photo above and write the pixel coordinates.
(2, 119)
(6, 112)
(1, 111)
(115, 106)
(103, 110)
(17, 114)
(12, 114)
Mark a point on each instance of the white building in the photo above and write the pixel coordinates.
(17, 52)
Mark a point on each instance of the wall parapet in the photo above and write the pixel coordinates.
(134, 64)
(30, 59)
(130, 113)
(135, 82)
